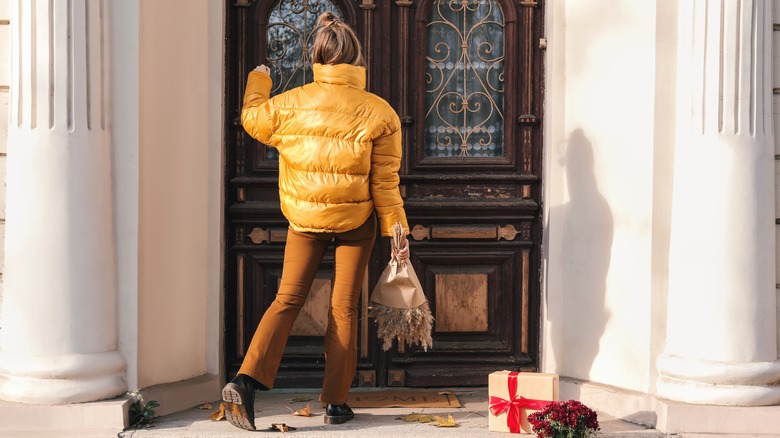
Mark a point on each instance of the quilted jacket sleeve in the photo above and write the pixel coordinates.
(257, 114)
(385, 162)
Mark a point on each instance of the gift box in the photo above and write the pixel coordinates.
(513, 395)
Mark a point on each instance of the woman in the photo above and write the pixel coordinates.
(339, 153)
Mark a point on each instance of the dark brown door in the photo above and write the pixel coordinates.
(465, 78)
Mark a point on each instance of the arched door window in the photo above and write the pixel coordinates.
(289, 36)
(464, 79)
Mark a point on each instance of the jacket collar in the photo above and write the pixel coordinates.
(340, 74)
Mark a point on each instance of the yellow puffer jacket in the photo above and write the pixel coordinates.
(339, 149)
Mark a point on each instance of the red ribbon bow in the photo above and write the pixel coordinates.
(512, 406)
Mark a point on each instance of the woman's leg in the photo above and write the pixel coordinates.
(353, 250)
(302, 256)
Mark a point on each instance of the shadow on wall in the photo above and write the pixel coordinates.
(586, 244)
(597, 394)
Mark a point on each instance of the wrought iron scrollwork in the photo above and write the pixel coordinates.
(465, 79)
(290, 34)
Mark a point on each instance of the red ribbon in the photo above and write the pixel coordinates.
(512, 406)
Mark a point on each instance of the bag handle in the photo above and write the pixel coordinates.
(399, 244)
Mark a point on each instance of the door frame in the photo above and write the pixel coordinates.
(529, 113)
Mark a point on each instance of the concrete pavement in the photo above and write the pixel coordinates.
(276, 407)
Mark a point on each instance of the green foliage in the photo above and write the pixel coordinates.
(141, 413)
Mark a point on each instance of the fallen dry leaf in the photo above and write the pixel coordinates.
(414, 416)
(235, 409)
(205, 406)
(449, 422)
(304, 412)
(280, 427)
(219, 414)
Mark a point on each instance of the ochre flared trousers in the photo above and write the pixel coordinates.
(302, 256)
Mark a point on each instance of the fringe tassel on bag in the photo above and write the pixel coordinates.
(412, 325)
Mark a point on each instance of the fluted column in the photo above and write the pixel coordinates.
(58, 336)
(721, 330)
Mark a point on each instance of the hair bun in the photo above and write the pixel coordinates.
(327, 19)
(335, 43)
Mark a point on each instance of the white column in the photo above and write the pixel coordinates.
(58, 337)
(721, 330)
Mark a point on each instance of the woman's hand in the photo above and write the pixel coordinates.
(403, 252)
(263, 69)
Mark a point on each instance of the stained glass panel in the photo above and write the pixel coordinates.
(464, 79)
(291, 28)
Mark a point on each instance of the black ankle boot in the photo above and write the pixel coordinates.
(248, 382)
(239, 395)
(337, 414)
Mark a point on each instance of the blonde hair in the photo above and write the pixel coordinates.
(336, 43)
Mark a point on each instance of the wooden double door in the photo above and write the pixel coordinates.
(465, 78)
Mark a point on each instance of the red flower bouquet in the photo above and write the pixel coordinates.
(564, 419)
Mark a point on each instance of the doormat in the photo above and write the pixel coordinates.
(403, 399)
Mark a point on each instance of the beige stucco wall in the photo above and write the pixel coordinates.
(663, 177)
(179, 228)
(5, 82)
(776, 110)
(608, 149)
(166, 143)
(124, 142)
(609, 172)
